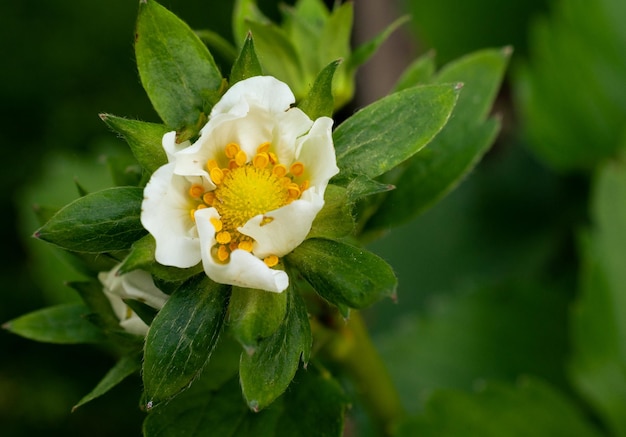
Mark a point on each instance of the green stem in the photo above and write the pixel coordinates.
(352, 349)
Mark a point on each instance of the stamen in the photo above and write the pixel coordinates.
(297, 168)
(271, 260)
(231, 150)
(294, 190)
(211, 164)
(192, 213)
(263, 148)
(305, 185)
(266, 220)
(233, 245)
(245, 245)
(201, 206)
(217, 224)
(222, 253)
(208, 197)
(279, 170)
(241, 158)
(232, 164)
(273, 158)
(261, 160)
(196, 191)
(223, 237)
(217, 175)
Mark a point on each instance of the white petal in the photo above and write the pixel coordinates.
(289, 227)
(242, 269)
(165, 214)
(264, 91)
(134, 325)
(171, 147)
(317, 152)
(289, 127)
(138, 285)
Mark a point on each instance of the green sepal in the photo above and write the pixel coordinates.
(247, 63)
(419, 72)
(62, 324)
(320, 101)
(430, 175)
(255, 315)
(335, 219)
(361, 186)
(103, 221)
(145, 140)
(384, 134)
(82, 191)
(91, 292)
(176, 68)
(182, 337)
(141, 257)
(126, 366)
(266, 371)
(343, 274)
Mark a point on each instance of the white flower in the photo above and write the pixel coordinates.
(137, 285)
(246, 192)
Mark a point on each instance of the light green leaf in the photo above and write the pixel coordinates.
(245, 11)
(255, 315)
(433, 173)
(532, 408)
(384, 134)
(176, 69)
(125, 367)
(104, 221)
(63, 324)
(182, 337)
(144, 139)
(320, 102)
(266, 371)
(343, 274)
(335, 219)
(247, 63)
(598, 366)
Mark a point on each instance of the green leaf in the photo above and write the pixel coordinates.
(144, 139)
(93, 295)
(247, 63)
(343, 274)
(379, 137)
(125, 367)
(255, 315)
(220, 45)
(598, 366)
(63, 324)
(320, 102)
(104, 221)
(176, 69)
(434, 172)
(182, 337)
(532, 408)
(419, 72)
(313, 406)
(362, 186)
(266, 371)
(245, 11)
(335, 219)
(141, 257)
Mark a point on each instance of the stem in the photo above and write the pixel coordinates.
(352, 349)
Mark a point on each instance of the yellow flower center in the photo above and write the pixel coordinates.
(246, 188)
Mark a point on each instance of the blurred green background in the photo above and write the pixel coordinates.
(487, 276)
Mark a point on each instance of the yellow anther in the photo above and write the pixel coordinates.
(222, 253)
(273, 158)
(232, 164)
(286, 181)
(201, 206)
(192, 213)
(208, 197)
(261, 160)
(196, 191)
(217, 224)
(217, 175)
(297, 168)
(245, 245)
(225, 171)
(294, 190)
(266, 220)
(231, 150)
(263, 148)
(241, 158)
(304, 185)
(279, 170)
(233, 245)
(223, 237)
(271, 260)
(211, 164)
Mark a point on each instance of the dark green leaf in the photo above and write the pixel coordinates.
(245, 11)
(343, 274)
(176, 69)
(335, 219)
(419, 72)
(530, 409)
(320, 101)
(125, 367)
(384, 134)
(182, 337)
(434, 172)
(64, 324)
(218, 45)
(362, 186)
(255, 315)
(266, 372)
(124, 170)
(142, 257)
(247, 63)
(92, 294)
(104, 221)
(144, 139)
